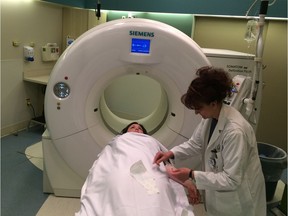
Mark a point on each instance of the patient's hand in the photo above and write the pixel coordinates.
(194, 196)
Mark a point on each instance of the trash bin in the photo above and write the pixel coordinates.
(273, 161)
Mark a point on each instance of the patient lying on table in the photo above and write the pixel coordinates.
(124, 182)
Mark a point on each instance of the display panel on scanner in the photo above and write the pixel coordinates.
(140, 46)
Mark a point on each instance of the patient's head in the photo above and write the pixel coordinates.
(134, 127)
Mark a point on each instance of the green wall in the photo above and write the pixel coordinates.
(183, 22)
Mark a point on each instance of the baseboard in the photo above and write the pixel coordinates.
(14, 129)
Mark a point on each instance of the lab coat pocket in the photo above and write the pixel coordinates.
(228, 203)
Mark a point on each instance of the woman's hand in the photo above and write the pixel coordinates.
(180, 175)
(162, 156)
(194, 196)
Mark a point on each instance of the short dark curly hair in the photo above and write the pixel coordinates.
(211, 84)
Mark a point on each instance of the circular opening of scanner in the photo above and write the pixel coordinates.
(134, 97)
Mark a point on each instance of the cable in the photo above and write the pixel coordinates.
(29, 156)
(179, 133)
(272, 3)
(251, 7)
(33, 110)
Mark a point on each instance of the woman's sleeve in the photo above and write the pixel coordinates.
(193, 146)
(235, 159)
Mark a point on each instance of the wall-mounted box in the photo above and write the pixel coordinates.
(50, 52)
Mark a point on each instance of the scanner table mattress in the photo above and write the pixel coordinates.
(123, 181)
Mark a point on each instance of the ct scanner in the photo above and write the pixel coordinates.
(79, 117)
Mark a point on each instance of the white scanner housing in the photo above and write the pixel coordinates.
(80, 121)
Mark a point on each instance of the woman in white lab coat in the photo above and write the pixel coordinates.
(232, 177)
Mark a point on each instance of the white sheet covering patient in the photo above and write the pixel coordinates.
(124, 182)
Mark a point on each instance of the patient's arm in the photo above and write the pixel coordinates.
(179, 175)
(193, 193)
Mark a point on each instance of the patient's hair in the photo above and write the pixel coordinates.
(124, 130)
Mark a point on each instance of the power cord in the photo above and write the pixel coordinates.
(28, 156)
(29, 104)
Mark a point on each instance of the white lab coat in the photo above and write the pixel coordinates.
(232, 178)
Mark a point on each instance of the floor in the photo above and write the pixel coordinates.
(21, 180)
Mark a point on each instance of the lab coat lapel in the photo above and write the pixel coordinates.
(219, 127)
(215, 135)
(206, 127)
